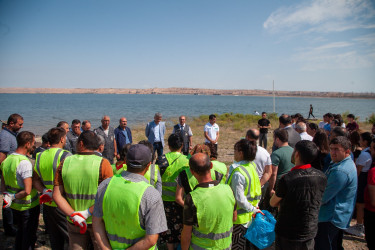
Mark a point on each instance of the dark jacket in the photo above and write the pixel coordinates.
(121, 139)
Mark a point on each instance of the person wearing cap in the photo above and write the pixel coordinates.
(46, 164)
(171, 165)
(76, 182)
(206, 226)
(128, 211)
(44, 146)
(186, 181)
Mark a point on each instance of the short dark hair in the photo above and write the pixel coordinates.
(89, 140)
(313, 126)
(250, 134)
(212, 116)
(24, 137)
(124, 151)
(264, 113)
(61, 123)
(198, 167)
(350, 116)
(85, 122)
(282, 134)
(54, 135)
(45, 138)
(248, 148)
(307, 151)
(343, 141)
(175, 141)
(13, 118)
(337, 122)
(339, 131)
(149, 145)
(366, 136)
(330, 115)
(285, 119)
(76, 121)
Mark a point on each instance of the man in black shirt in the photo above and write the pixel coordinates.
(263, 125)
(299, 194)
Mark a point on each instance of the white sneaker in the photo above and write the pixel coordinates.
(357, 230)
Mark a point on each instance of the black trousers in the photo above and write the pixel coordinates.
(28, 221)
(8, 222)
(56, 225)
(370, 229)
(328, 237)
(282, 243)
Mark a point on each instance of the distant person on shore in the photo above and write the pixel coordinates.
(339, 196)
(311, 111)
(123, 135)
(8, 144)
(285, 122)
(108, 133)
(263, 124)
(86, 125)
(211, 133)
(352, 125)
(256, 112)
(45, 145)
(155, 131)
(65, 126)
(186, 134)
(301, 129)
(73, 135)
(298, 195)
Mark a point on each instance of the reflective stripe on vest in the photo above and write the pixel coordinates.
(214, 226)
(195, 247)
(9, 169)
(121, 212)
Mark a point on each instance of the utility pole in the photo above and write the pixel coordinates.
(273, 89)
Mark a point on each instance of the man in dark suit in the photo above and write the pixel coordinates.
(155, 131)
(285, 122)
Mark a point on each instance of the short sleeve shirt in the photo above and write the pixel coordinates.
(211, 130)
(282, 158)
(8, 142)
(263, 122)
(365, 160)
(371, 182)
(262, 159)
(151, 210)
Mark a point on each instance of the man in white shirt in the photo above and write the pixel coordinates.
(301, 129)
(211, 133)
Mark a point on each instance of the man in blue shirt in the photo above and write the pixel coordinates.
(339, 196)
(123, 135)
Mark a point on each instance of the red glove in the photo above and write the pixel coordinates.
(46, 196)
(79, 220)
(7, 199)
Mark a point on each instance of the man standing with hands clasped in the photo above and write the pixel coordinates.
(211, 133)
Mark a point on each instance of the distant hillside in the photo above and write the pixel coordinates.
(187, 91)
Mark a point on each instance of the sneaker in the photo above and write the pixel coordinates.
(357, 230)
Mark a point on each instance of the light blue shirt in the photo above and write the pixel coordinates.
(157, 133)
(340, 194)
(127, 141)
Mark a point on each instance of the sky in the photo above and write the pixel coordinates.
(314, 45)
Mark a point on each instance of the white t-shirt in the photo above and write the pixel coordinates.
(262, 159)
(321, 124)
(211, 130)
(306, 136)
(24, 170)
(365, 160)
(106, 131)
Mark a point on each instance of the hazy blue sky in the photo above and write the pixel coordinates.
(320, 45)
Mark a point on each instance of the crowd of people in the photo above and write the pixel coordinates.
(100, 190)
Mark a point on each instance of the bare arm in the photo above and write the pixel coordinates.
(61, 202)
(115, 147)
(217, 136)
(275, 201)
(266, 175)
(272, 180)
(100, 234)
(146, 242)
(180, 195)
(190, 142)
(359, 169)
(186, 237)
(28, 183)
(2, 157)
(37, 183)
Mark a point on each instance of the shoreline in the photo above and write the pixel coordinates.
(188, 91)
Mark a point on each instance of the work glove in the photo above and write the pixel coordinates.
(79, 219)
(7, 199)
(257, 210)
(46, 196)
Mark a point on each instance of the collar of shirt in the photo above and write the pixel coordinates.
(301, 167)
(13, 133)
(207, 184)
(133, 177)
(288, 127)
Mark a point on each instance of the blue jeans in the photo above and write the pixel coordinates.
(158, 147)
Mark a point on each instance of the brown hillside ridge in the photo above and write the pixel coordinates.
(186, 91)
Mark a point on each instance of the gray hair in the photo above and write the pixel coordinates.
(158, 114)
(301, 126)
(101, 140)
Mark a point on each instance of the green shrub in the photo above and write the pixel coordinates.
(371, 119)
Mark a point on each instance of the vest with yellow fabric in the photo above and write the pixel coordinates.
(9, 170)
(177, 163)
(193, 181)
(151, 175)
(46, 164)
(215, 206)
(252, 192)
(221, 168)
(121, 212)
(80, 174)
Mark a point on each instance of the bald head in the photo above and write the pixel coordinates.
(200, 164)
(105, 121)
(252, 134)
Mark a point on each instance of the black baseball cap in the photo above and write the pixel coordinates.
(138, 156)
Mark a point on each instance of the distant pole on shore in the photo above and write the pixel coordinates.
(273, 90)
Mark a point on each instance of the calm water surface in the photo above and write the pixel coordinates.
(43, 111)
